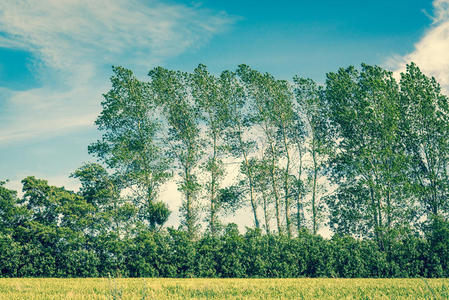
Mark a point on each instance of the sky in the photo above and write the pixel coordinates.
(56, 58)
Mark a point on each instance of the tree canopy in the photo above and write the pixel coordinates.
(363, 154)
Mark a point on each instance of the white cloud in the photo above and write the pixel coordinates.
(68, 32)
(73, 41)
(431, 52)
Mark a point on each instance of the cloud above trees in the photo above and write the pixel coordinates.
(431, 52)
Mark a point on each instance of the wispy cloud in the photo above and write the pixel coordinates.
(431, 52)
(73, 42)
(68, 32)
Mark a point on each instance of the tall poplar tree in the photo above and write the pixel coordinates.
(131, 144)
(311, 101)
(263, 188)
(183, 137)
(425, 122)
(369, 162)
(299, 189)
(239, 122)
(284, 116)
(261, 90)
(213, 107)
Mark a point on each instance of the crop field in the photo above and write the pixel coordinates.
(162, 288)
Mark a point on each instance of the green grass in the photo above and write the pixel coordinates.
(162, 288)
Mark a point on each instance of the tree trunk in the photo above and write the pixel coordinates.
(299, 195)
(389, 218)
(265, 212)
(250, 181)
(189, 213)
(375, 216)
(286, 186)
(275, 190)
(212, 188)
(314, 208)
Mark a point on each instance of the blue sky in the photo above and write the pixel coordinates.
(310, 37)
(56, 57)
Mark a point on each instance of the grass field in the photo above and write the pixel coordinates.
(158, 288)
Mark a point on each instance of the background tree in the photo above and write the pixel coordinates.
(240, 143)
(262, 181)
(424, 115)
(112, 212)
(184, 140)
(52, 237)
(131, 144)
(11, 215)
(284, 114)
(55, 206)
(261, 91)
(298, 137)
(311, 101)
(369, 161)
(213, 106)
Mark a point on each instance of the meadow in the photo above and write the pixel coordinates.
(163, 288)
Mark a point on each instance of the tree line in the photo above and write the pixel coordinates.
(363, 153)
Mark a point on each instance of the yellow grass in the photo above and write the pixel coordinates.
(162, 288)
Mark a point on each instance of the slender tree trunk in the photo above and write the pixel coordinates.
(377, 204)
(251, 191)
(116, 222)
(286, 186)
(299, 195)
(314, 192)
(434, 206)
(249, 175)
(148, 178)
(431, 175)
(275, 190)
(314, 209)
(212, 188)
(375, 216)
(388, 193)
(379, 211)
(389, 218)
(265, 213)
(276, 202)
(189, 212)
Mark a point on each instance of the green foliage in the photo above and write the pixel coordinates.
(425, 118)
(183, 137)
(230, 198)
(313, 105)
(369, 163)
(382, 145)
(131, 144)
(58, 250)
(11, 215)
(214, 108)
(437, 231)
(10, 252)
